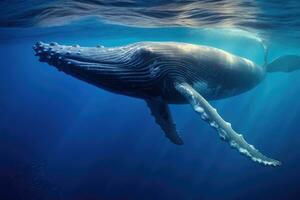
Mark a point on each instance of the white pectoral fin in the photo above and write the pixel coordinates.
(163, 117)
(210, 115)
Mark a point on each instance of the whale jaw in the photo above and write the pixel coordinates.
(106, 68)
(85, 63)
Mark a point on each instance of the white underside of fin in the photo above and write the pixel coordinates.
(224, 129)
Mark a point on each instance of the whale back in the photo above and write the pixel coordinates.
(212, 72)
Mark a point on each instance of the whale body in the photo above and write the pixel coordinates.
(165, 73)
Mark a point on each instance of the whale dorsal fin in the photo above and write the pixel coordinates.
(210, 115)
(160, 111)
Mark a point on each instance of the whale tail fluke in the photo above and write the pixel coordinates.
(286, 63)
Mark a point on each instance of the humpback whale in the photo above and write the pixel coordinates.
(165, 73)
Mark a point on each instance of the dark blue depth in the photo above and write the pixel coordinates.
(61, 138)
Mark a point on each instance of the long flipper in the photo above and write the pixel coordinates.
(161, 112)
(209, 114)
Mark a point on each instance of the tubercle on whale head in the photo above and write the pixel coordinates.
(64, 55)
(73, 58)
(55, 54)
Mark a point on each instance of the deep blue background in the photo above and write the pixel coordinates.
(61, 138)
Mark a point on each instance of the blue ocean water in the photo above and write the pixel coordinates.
(61, 138)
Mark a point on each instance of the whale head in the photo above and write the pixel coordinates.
(70, 58)
(112, 69)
